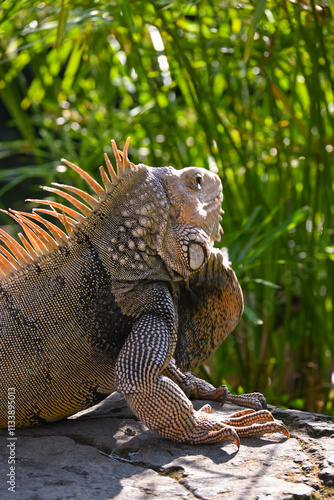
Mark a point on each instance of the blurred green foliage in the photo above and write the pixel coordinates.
(244, 89)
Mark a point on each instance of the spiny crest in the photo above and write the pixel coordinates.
(36, 241)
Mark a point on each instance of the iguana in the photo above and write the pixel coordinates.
(130, 296)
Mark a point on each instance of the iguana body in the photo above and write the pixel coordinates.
(135, 282)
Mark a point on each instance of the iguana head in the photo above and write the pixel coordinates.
(139, 212)
(195, 197)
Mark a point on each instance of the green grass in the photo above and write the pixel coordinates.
(246, 91)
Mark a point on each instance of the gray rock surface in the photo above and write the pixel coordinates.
(105, 453)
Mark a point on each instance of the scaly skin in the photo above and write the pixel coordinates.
(196, 388)
(136, 282)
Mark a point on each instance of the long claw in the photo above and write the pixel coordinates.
(237, 441)
(284, 430)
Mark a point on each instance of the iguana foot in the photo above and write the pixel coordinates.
(214, 429)
(196, 388)
(176, 418)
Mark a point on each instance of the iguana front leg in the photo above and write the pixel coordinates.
(196, 388)
(160, 403)
(155, 399)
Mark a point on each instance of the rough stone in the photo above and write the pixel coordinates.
(106, 453)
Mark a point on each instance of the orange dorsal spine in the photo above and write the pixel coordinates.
(38, 241)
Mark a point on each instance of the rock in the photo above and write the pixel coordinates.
(105, 452)
(327, 476)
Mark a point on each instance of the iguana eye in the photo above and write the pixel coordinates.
(198, 181)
